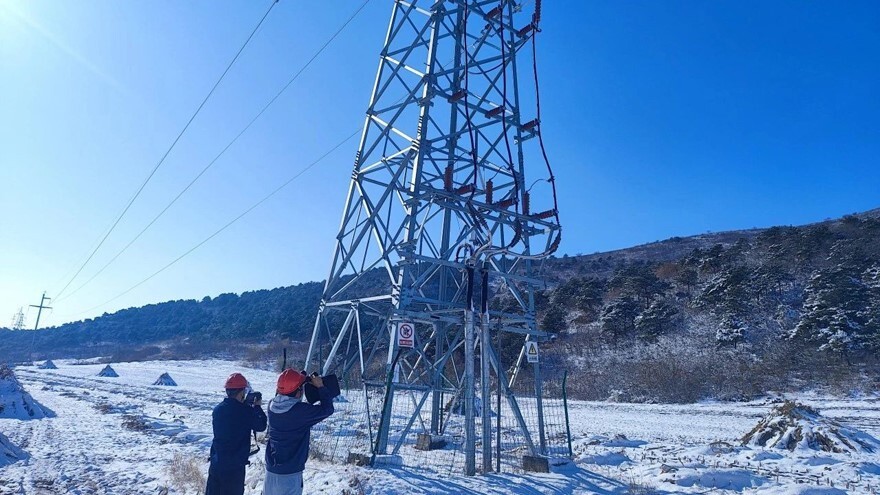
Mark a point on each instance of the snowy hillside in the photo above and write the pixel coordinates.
(124, 435)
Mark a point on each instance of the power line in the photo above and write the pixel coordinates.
(167, 152)
(227, 225)
(223, 151)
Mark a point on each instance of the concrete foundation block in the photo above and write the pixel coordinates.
(535, 464)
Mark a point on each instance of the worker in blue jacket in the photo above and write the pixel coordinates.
(233, 422)
(290, 423)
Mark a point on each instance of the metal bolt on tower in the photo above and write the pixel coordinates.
(439, 211)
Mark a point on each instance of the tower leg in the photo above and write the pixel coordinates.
(470, 439)
(485, 343)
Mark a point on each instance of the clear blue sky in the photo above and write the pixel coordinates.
(661, 119)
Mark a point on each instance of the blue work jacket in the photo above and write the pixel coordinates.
(290, 424)
(233, 422)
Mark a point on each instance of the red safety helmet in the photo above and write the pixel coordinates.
(290, 381)
(236, 380)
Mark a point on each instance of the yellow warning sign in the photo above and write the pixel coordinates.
(532, 351)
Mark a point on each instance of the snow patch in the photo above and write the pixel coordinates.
(15, 402)
(728, 479)
(607, 459)
(9, 453)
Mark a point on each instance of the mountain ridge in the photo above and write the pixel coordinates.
(773, 303)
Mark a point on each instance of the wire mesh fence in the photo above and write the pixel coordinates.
(520, 426)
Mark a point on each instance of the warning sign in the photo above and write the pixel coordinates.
(405, 334)
(532, 351)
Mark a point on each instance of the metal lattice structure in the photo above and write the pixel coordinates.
(439, 210)
(18, 320)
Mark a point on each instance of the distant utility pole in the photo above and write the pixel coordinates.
(40, 309)
(18, 320)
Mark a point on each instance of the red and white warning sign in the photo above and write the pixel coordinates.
(405, 333)
(532, 351)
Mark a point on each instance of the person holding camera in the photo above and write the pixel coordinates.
(290, 423)
(234, 419)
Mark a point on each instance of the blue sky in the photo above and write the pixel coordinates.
(661, 119)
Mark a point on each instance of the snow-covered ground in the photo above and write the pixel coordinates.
(122, 435)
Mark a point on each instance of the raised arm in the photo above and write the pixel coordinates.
(259, 419)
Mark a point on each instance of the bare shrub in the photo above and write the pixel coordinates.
(47, 484)
(316, 451)
(270, 356)
(135, 423)
(103, 407)
(355, 486)
(185, 474)
(677, 369)
(129, 354)
(638, 486)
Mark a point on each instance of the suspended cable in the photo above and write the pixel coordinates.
(504, 62)
(554, 243)
(227, 225)
(168, 151)
(536, 19)
(223, 151)
(467, 110)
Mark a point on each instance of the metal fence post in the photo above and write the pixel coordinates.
(565, 407)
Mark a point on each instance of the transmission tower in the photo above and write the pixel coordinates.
(18, 320)
(438, 212)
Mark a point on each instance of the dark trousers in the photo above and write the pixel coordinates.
(225, 480)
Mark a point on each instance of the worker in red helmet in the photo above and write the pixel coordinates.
(233, 422)
(290, 423)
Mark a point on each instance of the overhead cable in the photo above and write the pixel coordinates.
(223, 151)
(227, 225)
(168, 151)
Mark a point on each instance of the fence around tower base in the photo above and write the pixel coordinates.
(348, 436)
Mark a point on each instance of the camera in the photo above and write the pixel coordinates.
(331, 383)
(252, 397)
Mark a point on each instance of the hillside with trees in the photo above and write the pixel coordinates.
(684, 319)
(728, 315)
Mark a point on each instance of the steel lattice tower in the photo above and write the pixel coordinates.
(438, 210)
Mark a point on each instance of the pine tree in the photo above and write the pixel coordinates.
(731, 331)
(836, 312)
(618, 318)
(728, 292)
(554, 319)
(640, 282)
(589, 296)
(771, 279)
(687, 278)
(658, 319)
(585, 294)
(871, 312)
